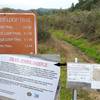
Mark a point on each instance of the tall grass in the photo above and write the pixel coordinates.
(84, 45)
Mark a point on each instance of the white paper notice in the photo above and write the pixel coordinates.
(79, 72)
(96, 77)
(25, 78)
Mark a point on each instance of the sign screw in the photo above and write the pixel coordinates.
(29, 94)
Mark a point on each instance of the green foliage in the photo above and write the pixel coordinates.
(84, 94)
(46, 49)
(6, 9)
(79, 23)
(65, 94)
(72, 7)
(43, 33)
(87, 4)
(86, 48)
(83, 44)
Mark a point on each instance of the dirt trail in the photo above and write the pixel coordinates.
(70, 53)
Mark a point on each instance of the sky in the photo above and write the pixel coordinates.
(34, 4)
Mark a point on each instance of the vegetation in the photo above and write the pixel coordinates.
(84, 45)
(81, 20)
(43, 33)
(87, 4)
(78, 25)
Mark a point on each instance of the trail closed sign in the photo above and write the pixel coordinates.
(79, 72)
(27, 78)
(18, 33)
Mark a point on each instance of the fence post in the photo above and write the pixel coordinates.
(74, 93)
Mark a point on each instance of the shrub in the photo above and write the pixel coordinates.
(43, 33)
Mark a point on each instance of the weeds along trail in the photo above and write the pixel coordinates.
(70, 52)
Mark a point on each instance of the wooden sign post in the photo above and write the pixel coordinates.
(18, 33)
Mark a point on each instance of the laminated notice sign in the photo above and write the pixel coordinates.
(25, 78)
(79, 72)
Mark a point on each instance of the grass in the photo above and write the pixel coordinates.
(45, 49)
(84, 94)
(90, 49)
(65, 93)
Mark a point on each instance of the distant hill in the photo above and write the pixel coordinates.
(6, 9)
(39, 11)
(42, 11)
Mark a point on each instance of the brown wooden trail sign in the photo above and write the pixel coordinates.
(18, 33)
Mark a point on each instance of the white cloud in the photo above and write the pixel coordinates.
(28, 4)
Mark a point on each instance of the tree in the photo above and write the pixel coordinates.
(72, 7)
(87, 4)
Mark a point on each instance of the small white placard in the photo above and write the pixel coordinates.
(79, 72)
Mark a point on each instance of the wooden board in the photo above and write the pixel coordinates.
(18, 33)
